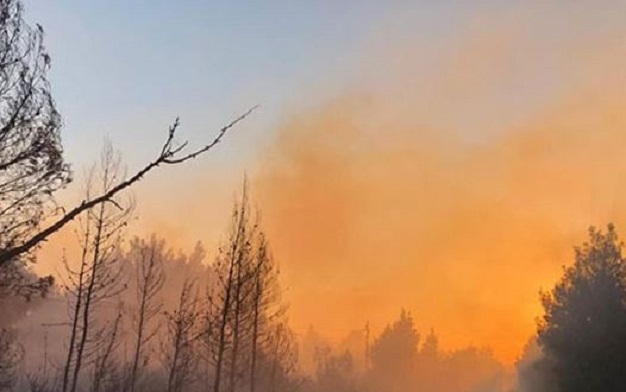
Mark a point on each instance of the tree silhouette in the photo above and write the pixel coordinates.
(583, 329)
(172, 153)
(180, 357)
(335, 373)
(99, 276)
(148, 259)
(394, 355)
(535, 370)
(31, 160)
(32, 168)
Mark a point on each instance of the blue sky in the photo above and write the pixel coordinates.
(127, 68)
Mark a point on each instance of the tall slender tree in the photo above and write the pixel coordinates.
(99, 275)
(147, 258)
(226, 267)
(181, 359)
(106, 368)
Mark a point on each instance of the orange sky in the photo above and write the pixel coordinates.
(452, 179)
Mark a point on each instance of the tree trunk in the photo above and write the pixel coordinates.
(76, 315)
(89, 296)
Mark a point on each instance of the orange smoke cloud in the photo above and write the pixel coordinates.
(456, 191)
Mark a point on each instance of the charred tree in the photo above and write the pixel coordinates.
(181, 360)
(99, 276)
(150, 276)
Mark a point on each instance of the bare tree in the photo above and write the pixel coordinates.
(98, 277)
(106, 372)
(258, 290)
(31, 154)
(171, 154)
(227, 268)
(266, 302)
(245, 305)
(150, 276)
(243, 298)
(180, 358)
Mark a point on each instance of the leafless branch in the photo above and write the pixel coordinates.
(169, 155)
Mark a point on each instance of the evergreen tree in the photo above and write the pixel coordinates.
(583, 329)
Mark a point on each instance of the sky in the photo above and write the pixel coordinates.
(122, 66)
(442, 156)
(126, 69)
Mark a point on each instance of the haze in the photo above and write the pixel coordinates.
(438, 158)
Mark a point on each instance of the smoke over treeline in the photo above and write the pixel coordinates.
(135, 315)
(451, 177)
(132, 314)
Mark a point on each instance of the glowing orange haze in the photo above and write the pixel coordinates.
(457, 194)
(450, 182)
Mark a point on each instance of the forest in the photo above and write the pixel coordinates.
(136, 313)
